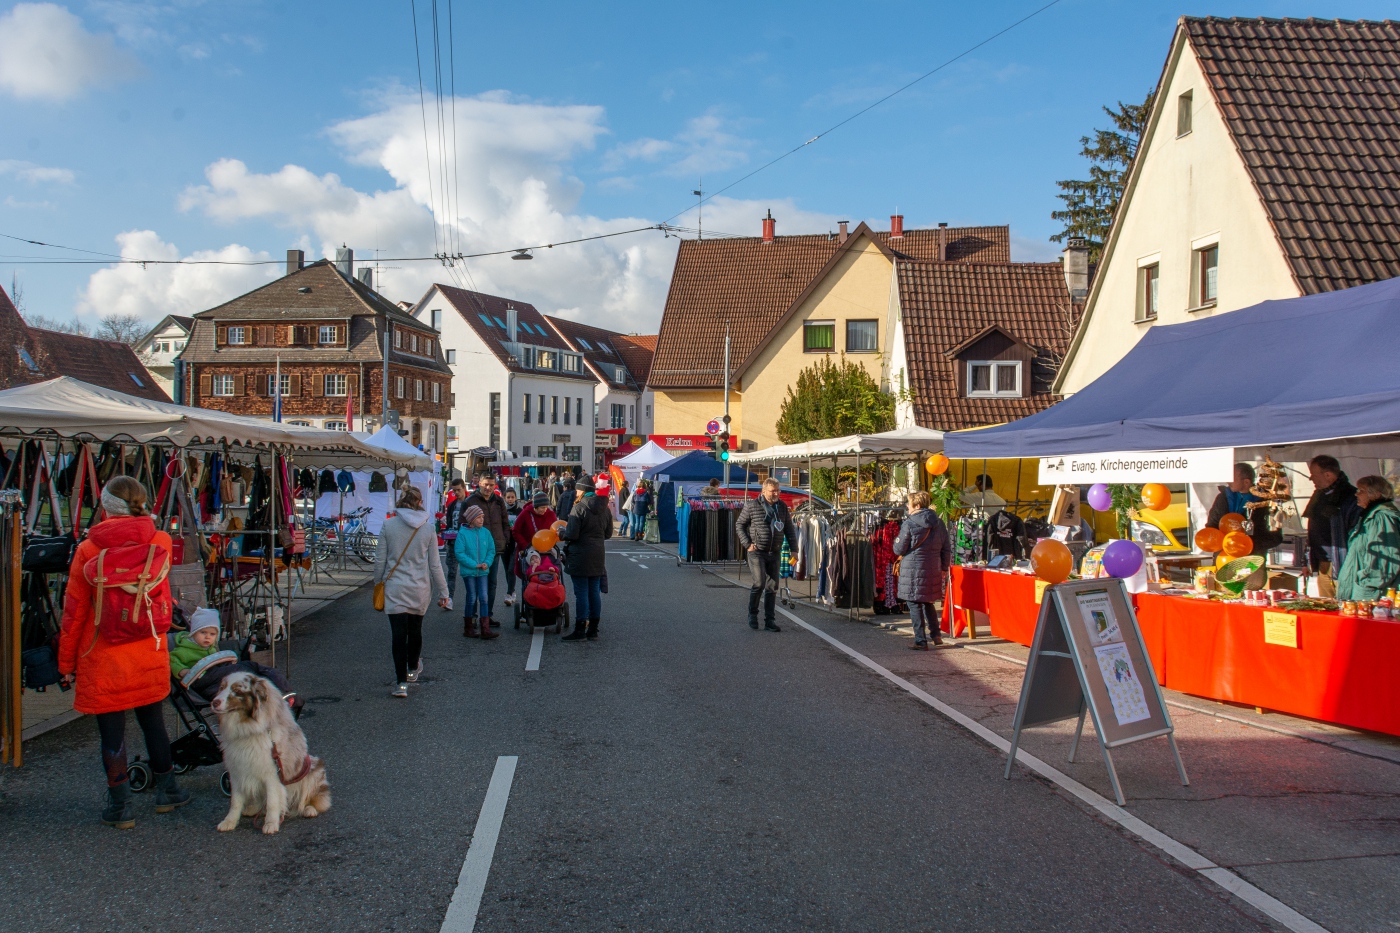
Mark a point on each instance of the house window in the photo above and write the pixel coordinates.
(648, 410)
(451, 357)
(573, 454)
(398, 386)
(546, 452)
(1204, 263)
(595, 416)
(619, 417)
(546, 359)
(302, 424)
(221, 385)
(494, 432)
(272, 384)
(435, 318)
(862, 336)
(413, 343)
(987, 379)
(631, 417)
(527, 408)
(1183, 114)
(541, 409)
(398, 339)
(554, 409)
(1148, 287)
(437, 392)
(818, 336)
(336, 384)
(328, 333)
(418, 390)
(137, 379)
(237, 335)
(427, 346)
(335, 425)
(525, 451)
(432, 436)
(572, 364)
(566, 411)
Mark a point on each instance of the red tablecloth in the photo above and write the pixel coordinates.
(1343, 670)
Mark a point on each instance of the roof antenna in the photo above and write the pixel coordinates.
(700, 208)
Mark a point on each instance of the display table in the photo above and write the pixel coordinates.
(1342, 672)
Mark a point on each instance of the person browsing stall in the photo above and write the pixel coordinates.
(925, 552)
(1236, 498)
(762, 526)
(1332, 513)
(1372, 563)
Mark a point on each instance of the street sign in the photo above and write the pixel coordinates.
(1088, 655)
(714, 427)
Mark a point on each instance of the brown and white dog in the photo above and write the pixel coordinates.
(265, 754)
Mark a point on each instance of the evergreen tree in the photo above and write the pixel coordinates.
(833, 400)
(1090, 203)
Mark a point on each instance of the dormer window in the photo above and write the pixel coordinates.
(993, 379)
(328, 333)
(237, 335)
(27, 360)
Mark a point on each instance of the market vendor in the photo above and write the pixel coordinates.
(1372, 562)
(1236, 498)
(1332, 513)
(981, 495)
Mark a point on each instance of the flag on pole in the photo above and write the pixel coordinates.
(277, 392)
(349, 412)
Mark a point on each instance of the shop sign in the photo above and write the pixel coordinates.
(605, 441)
(688, 442)
(1215, 465)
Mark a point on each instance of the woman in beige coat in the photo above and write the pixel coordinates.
(407, 564)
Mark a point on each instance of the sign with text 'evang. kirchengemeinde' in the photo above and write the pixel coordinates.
(1216, 465)
(1088, 657)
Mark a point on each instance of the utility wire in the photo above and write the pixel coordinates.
(423, 109)
(834, 127)
(73, 249)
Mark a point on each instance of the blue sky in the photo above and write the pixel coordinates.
(237, 130)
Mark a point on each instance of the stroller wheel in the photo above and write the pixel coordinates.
(183, 768)
(138, 776)
(226, 784)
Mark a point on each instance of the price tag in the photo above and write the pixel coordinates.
(1281, 628)
(1040, 586)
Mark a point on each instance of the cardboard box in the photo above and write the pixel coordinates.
(1278, 580)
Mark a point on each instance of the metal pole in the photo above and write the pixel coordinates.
(384, 381)
(726, 396)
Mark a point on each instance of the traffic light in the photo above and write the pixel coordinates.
(722, 445)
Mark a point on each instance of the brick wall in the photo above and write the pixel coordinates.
(305, 395)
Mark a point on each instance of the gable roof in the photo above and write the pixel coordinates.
(605, 349)
(637, 351)
(479, 308)
(752, 286)
(1311, 105)
(946, 307)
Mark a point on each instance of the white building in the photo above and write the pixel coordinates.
(621, 363)
(516, 385)
(161, 345)
(1267, 170)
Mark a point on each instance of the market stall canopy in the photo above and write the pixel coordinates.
(69, 408)
(1287, 378)
(911, 440)
(696, 466)
(386, 443)
(644, 457)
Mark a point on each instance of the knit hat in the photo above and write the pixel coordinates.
(540, 500)
(204, 618)
(472, 513)
(601, 485)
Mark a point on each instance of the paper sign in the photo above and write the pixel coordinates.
(1124, 689)
(1040, 586)
(1100, 621)
(1281, 628)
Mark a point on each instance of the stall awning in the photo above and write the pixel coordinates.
(1281, 375)
(912, 441)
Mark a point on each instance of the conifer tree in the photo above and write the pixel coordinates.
(1090, 203)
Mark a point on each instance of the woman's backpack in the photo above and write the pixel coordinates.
(131, 599)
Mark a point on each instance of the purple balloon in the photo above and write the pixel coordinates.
(1100, 499)
(1122, 559)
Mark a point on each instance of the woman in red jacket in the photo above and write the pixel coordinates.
(113, 678)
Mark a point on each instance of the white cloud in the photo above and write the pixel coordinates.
(36, 174)
(45, 53)
(705, 145)
(153, 291)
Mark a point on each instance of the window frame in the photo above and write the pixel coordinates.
(526, 410)
(400, 386)
(217, 385)
(451, 357)
(808, 326)
(1200, 272)
(286, 381)
(552, 455)
(875, 347)
(993, 367)
(617, 417)
(321, 334)
(242, 332)
(336, 426)
(437, 392)
(1184, 102)
(1149, 292)
(418, 390)
(342, 384)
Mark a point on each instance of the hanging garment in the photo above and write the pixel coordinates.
(1005, 534)
(326, 483)
(345, 481)
(259, 498)
(377, 483)
(883, 542)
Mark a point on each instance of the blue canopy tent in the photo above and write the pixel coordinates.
(1289, 378)
(689, 469)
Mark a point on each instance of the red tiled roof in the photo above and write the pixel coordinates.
(534, 328)
(750, 285)
(596, 342)
(945, 306)
(637, 351)
(1314, 109)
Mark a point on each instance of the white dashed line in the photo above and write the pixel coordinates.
(471, 883)
(536, 649)
(643, 566)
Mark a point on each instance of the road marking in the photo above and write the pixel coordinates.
(471, 883)
(643, 566)
(536, 649)
(1266, 903)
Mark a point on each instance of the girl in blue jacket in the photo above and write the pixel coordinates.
(476, 553)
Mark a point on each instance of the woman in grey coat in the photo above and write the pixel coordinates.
(407, 563)
(925, 551)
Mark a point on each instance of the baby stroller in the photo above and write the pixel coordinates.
(543, 600)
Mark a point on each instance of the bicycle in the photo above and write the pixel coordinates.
(358, 538)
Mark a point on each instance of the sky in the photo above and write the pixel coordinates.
(233, 131)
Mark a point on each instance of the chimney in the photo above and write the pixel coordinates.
(841, 225)
(769, 225)
(366, 276)
(1076, 266)
(296, 261)
(512, 318)
(943, 242)
(896, 226)
(345, 261)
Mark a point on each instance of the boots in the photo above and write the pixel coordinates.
(580, 631)
(592, 629)
(486, 633)
(469, 627)
(118, 811)
(168, 793)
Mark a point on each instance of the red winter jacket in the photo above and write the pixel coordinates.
(527, 523)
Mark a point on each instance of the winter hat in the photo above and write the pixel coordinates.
(601, 485)
(472, 513)
(539, 499)
(204, 618)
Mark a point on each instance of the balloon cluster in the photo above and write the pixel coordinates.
(1229, 539)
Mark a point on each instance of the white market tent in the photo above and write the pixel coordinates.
(425, 473)
(912, 441)
(643, 458)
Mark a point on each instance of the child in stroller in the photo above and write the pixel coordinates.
(544, 601)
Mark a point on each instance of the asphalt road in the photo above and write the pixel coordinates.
(681, 773)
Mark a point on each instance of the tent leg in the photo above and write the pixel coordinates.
(1180, 766)
(1078, 731)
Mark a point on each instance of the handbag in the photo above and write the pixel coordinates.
(379, 587)
(52, 554)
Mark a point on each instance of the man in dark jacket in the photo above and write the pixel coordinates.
(590, 525)
(451, 521)
(762, 526)
(493, 507)
(1332, 513)
(568, 494)
(1236, 498)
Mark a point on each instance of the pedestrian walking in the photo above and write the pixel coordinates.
(925, 551)
(568, 493)
(589, 526)
(112, 674)
(763, 524)
(513, 510)
(536, 518)
(493, 509)
(451, 521)
(476, 556)
(624, 506)
(641, 505)
(406, 562)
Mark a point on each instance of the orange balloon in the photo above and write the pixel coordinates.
(1222, 560)
(1210, 539)
(544, 539)
(1051, 561)
(937, 464)
(559, 525)
(1237, 544)
(1231, 521)
(1155, 496)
